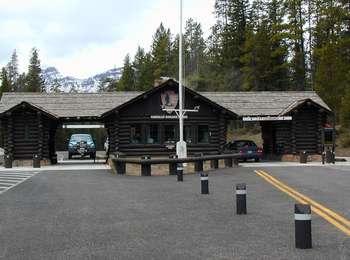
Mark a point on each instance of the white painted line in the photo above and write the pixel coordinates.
(18, 183)
(5, 185)
(8, 182)
(16, 175)
(11, 178)
(302, 217)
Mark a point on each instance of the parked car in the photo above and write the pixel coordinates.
(81, 144)
(246, 148)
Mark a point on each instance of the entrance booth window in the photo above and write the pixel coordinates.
(152, 134)
(203, 134)
(188, 134)
(169, 133)
(136, 134)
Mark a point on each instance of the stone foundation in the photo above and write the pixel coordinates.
(29, 163)
(296, 158)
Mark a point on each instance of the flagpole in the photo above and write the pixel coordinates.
(181, 122)
(181, 147)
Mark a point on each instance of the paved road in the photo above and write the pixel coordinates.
(96, 215)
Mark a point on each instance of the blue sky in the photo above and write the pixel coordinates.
(84, 37)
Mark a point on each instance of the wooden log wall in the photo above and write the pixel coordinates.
(28, 132)
(120, 127)
(303, 133)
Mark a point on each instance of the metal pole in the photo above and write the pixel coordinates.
(181, 147)
(181, 122)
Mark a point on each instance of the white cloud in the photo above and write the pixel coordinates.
(82, 38)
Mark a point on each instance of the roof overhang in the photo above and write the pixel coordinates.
(25, 104)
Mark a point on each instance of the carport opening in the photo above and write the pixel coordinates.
(81, 148)
(239, 130)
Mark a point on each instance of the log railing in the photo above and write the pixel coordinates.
(146, 161)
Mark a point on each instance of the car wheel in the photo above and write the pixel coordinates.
(69, 156)
(92, 155)
(257, 159)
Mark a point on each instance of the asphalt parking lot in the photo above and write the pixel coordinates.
(95, 215)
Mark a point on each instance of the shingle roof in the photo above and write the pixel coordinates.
(269, 103)
(68, 104)
(65, 105)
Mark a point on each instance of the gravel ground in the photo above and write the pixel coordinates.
(96, 215)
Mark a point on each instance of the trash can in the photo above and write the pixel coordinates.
(329, 156)
(303, 157)
(36, 161)
(7, 161)
(54, 159)
(172, 166)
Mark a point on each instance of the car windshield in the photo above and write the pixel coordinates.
(81, 137)
(241, 144)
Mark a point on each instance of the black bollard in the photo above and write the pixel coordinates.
(198, 165)
(214, 164)
(241, 199)
(228, 162)
(36, 161)
(302, 218)
(172, 165)
(7, 161)
(204, 183)
(180, 172)
(146, 167)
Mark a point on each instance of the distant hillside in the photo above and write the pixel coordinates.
(55, 81)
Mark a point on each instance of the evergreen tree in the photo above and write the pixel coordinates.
(296, 18)
(21, 82)
(12, 71)
(127, 80)
(265, 51)
(231, 23)
(194, 55)
(332, 52)
(34, 80)
(5, 83)
(143, 68)
(160, 50)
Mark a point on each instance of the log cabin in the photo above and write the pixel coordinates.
(137, 124)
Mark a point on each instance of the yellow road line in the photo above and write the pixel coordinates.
(329, 215)
(330, 212)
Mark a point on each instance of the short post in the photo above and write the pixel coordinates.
(303, 157)
(36, 161)
(214, 164)
(146, 166)
(172, 165)
(180, 172)
(54, 159)
(120, 167)
(241, 199)
(198, 165)
(204, 183)
(7, 161)
(235, 162)
(302, 218)
(228, 162)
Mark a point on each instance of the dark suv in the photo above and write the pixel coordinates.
(247, 149)
(81, 144)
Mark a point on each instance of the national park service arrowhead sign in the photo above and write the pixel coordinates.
(169, 99)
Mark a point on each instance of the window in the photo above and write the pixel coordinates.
(203, 134)
(188, 134)
(169, 133)
(152, 134)
(135, 134)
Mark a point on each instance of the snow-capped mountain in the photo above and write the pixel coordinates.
(55, 81)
